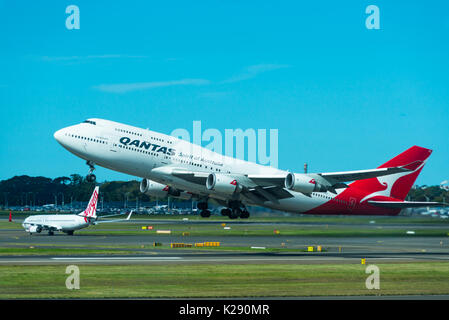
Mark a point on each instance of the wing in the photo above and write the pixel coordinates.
(406, 204)
(256, 188)
(260, 188)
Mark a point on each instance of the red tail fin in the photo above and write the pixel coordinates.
(397, 185)
(91, 210)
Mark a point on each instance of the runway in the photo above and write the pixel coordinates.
(17, 236)
(165, 257)
(139, 247)
(337, 249)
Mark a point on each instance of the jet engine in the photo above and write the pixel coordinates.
(222, 183)
(159, 190)
(302, 183)
(34, 229)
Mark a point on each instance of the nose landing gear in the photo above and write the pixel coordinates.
(90, 176)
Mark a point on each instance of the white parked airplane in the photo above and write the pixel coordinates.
(177, 168)
(67, 223)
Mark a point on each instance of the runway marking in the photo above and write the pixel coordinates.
(180, 259)
(119, 258)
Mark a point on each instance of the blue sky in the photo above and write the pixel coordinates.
(341, 96)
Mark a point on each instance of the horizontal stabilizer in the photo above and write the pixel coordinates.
(406, 204)
(336, 177)
(116, 220)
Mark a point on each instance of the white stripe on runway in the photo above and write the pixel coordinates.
(200, 260)
(168, 259)
(118, 258)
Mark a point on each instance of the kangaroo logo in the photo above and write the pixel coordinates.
(388, 182)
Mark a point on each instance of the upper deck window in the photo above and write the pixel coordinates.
(91, 122)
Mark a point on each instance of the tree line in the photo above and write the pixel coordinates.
(37, 191)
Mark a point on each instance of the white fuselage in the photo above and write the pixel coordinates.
(59, 222)
(148, 154)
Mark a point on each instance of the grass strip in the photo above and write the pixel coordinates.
(230, 280)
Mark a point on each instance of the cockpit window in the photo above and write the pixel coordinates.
(89, 121)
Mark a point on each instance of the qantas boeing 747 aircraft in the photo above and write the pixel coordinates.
(177, 168)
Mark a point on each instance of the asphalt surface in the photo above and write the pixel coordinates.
(226, 258)
(337, 249)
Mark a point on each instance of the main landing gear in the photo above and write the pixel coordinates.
(236, 209)
(90, 176)
(205, 213)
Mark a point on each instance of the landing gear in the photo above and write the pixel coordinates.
(50, 232)
(244, 214)
(236, 210)
(202, 205)
(70, 233)
(225, 212)
(205, 213)
(90, 176)
(235, 213)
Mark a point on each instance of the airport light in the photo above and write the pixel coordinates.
(6, 199)
(62, 197)
(126, 200)
(30, 198)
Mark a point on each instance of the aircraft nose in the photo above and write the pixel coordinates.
(58, 135)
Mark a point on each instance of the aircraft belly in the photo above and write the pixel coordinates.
(136, 166)
(298, 204)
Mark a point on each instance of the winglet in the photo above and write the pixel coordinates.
(129, 216)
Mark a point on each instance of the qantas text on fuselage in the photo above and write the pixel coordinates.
(173, 167)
